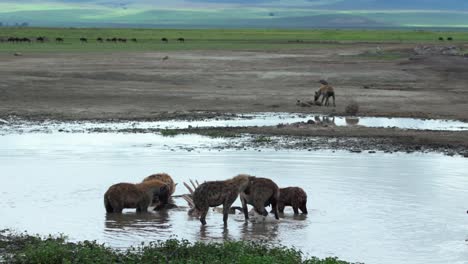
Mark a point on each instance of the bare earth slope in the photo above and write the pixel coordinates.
(142, 85)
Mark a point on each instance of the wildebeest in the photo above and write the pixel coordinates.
(40, 39)
(122, 40)
(133, 40)
(164, 177)
(215, 193)
(259, 193)
(295, 197)
(60, 40)
(100, 40)
(326, 91)
(181, 39)
(139, 196)
(164, 40)
(83, 40)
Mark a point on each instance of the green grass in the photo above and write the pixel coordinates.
(209, 39)
(24, 248)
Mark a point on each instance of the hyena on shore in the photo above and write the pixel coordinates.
(164, 177)
(295, 197)
(260, 193)
(326, 91)
(215, 193)
(139, 196)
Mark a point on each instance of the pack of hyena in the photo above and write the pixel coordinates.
(157, 189)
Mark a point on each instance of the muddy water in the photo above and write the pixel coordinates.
(375, 208)
(247, 120)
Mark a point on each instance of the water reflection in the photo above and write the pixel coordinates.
(352, 121)
(247, 120)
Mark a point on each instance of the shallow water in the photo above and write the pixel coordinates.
(248, 120)
(374, 208)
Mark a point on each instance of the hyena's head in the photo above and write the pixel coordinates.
(316, 96)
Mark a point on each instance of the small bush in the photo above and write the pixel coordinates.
(169, 132)
(449, 38)
(441, 38)
(352, 108)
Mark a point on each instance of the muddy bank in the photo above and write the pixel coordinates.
(354, 139)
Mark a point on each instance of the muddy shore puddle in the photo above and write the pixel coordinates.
(373, 208)
(246, 120)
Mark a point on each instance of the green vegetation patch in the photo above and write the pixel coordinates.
(206, 39)
(24, 248)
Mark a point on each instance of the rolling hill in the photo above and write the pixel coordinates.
(237, 13)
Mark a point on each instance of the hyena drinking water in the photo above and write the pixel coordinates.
(164, 177)
(215, 193)
(139, 196)
(295, 197)
(260, 193)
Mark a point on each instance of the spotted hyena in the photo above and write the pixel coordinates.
(215, 193)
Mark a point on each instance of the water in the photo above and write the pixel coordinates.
(374, 208)
(247, 120)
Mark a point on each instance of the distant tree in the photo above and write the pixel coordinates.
(271, 14)
(1, 24)
(441, 38)
(25, 24)
(449, 38)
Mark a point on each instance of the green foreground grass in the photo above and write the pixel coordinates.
(23, 248)
(211, 39)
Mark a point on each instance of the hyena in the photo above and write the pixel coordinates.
(260, 193)
(164, 177)
(326, 91)
(139, 196)
(295, 197)
(215, 193)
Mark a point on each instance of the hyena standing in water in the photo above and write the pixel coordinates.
(326, 91)
(295, 197)
(164, 177)
(215, 193)
(128, 195)
(260, 192)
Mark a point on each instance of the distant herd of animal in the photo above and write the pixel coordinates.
(82, 40)
(157, 189)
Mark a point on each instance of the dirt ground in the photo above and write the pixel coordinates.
(143, 86)
(137, 86)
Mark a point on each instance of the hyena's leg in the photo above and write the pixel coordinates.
(295, 209)
(143, 208)
(303, 208)
(334, 101)
(323, 99)
(259, 207)
(274, 205)
(326, 100)
(203, 215)
(281, 207)
(226, 206)
(244, 208)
